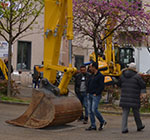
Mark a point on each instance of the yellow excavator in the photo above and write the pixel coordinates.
(50, 104)
(114, 57)
(3, 70)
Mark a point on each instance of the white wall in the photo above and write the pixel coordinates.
(142, 59)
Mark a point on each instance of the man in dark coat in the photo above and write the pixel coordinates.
(131, 85)
(95, 88)
(80, 90)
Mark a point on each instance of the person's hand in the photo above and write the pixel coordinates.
(94, 94)
(142, 96)
(115, 86)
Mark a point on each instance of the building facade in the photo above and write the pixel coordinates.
(29, 51)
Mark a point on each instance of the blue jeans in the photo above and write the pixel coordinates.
(93, 102)
(36, 83)
(83, 99)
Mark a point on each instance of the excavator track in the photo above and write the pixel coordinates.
(46, 109)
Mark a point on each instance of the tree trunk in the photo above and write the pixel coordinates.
(9, 88)
(95, 50)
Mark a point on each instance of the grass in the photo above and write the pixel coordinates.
(12, 99)
(145, 110)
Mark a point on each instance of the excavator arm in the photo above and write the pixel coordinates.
(58, 20)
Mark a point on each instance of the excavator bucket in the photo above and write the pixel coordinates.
(46, 109)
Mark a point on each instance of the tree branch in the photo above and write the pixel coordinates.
(23, 8)
(28, 26)
(28, 35)
(4, 36)
(3, 27)
(114, 29)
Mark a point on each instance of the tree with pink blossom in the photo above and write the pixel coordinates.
(96, 20)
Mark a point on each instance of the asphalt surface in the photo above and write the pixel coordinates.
(72, 131)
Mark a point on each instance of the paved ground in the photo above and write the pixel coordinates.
(72, 131)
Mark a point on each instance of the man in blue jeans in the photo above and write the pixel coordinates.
(80, 90)
(95, 88)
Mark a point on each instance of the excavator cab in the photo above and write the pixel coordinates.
(125, 56)
(50, 104)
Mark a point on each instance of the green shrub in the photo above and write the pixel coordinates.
(145, 102)
(113, 92)
(3, 88)
(146, 78)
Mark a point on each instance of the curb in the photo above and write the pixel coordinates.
(120, 113)
(111, 112)
(102, 111)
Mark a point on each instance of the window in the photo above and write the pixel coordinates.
(79, 60)
(24, 55)
(126, 56)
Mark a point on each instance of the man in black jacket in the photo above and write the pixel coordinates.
(131, 85)
(95, 88)
(80, 90)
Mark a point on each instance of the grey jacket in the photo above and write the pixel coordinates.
(131, 84)
(78, 81)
